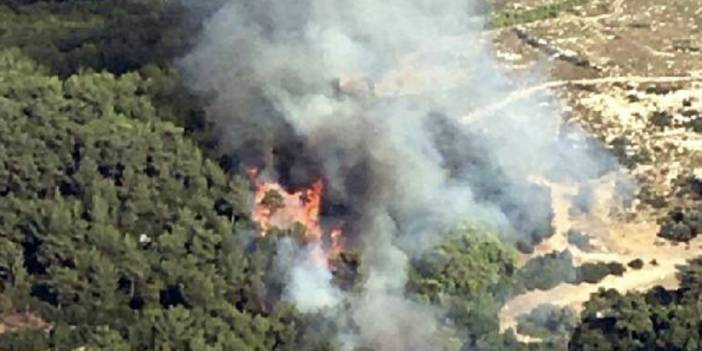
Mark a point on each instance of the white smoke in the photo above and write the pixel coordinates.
(271, 67)
(310, 281)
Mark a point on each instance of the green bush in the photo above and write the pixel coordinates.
(636, 264)
(681, 225)
(469, 277)
(657, 319)
(594, 272)
(515, 17)
(661, 119)
(546, 272)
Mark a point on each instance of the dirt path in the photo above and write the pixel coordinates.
(613, 241)
(527, 92)
(574, 295)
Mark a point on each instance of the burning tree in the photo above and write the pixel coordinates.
(124, 235)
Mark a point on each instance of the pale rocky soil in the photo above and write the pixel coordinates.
(645, 57)
(613, 240)
(674, 152)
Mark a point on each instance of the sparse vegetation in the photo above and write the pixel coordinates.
(695, 124)
(661, 119)
(681, 224)
(546, 272)
(515, 17)
(627, 154)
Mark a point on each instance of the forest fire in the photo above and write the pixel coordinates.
(274, 206)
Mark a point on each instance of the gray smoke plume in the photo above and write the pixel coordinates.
(370, 96)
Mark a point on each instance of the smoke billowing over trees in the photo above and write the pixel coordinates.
(125, 217)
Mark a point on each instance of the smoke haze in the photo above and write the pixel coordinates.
(309, 281)
(370, 95)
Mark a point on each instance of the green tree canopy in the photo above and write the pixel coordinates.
(658, 319)
(117, 230)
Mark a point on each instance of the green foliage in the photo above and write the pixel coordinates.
(514, 17)
(117, 36)
(661, 119)
(469, 276)
(636, 264)
(470, 265)
(594, 272)
(682, 225)
(658, 319)
(690, 277)
(626, 153)
(27, 340)
(695, 124)
(545, 272)
(116, 228)
(120, 232)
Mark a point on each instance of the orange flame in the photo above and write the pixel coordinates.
(276, 207)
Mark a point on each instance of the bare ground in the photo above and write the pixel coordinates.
(643, 58)
(614, 241)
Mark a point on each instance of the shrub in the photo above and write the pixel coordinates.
(594, 272)
(681, 224)
(661, 119)
(545, 272)
(636, 264)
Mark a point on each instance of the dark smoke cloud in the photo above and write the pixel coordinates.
(370, 95)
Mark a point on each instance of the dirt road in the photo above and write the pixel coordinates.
(527, 92)
(613, 241)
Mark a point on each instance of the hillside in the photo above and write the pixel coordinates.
(628, 73)
(368, 176)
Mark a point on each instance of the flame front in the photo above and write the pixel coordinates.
(276, 207)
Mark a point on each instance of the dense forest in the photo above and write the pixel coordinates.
(123, 226)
